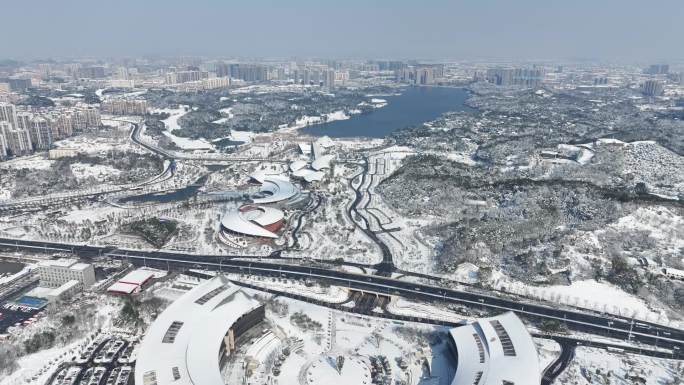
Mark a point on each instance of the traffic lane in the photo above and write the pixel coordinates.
(369, 286)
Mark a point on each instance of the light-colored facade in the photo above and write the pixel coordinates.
(8, 113)
(24, 120)
(3, 146)
(41, 133)
(125, 106)
(188, 341)
(255, 221)
(66, 290)
(275, 189)
(62, 152)
(494, 351)
(18, 140)
(55, 273)
(32, 129)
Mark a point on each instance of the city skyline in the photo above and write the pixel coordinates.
(357, 192)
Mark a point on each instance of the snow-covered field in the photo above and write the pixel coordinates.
(311, 120)
(36, 368)
(332, 294)
(172, 125)
(402, 306)
(600, 295)
(596, 366)
(96, 171)
(35, 162)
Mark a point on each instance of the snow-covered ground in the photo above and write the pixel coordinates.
(332, 294)
(228, 115)
(305, 121)
(37, 367)
(35, 162)
(597, 366)
(172, 125)
(548, 351)
(96, 171)
(600, 295)
(404, 307)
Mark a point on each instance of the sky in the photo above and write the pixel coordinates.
(612, 30)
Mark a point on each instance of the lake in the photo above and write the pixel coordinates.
(415, 105)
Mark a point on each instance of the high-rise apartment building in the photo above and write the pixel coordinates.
(95, 72)
(652, 88)
(329, 80)
(3, 146)
(185, 76)
(125, 106)
(8, 113)
(658, 69)
(17, 84)
(527, 77)
(24, 120)
(248, 72)
(41, 133)
(420, 75)
(18, 140)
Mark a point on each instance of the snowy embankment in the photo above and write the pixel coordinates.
(171, 124)
(585, 294)
(602, 296)
(236, 136)
(332, 294)
(311, 120)
(401, 306)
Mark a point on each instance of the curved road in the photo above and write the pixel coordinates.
(386, 267)
(558, 366)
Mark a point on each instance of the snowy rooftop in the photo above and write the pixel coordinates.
(322, 162)
(495, 351)
(309, 175)
(252, 221)
(79, 266)
(275, 189)
(123, 288)
(261, 175)
(182, 345)
(137, 277)
(297, 165)
(325, 142)
(305, 148)
(64, 262)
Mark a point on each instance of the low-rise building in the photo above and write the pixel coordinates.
(56, 272)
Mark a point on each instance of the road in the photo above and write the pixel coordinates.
(386, 267)
(205, 157)
(598, 324)
(558, 366)
(48, 202)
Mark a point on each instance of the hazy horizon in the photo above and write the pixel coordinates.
(492, 29)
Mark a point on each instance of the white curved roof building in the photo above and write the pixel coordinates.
(495, 351)
(185, 344)
(256, 221)
(309, 175)
(325, 142)
(275, 189)
(322, 162)
(261, 175)
(297, 165)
